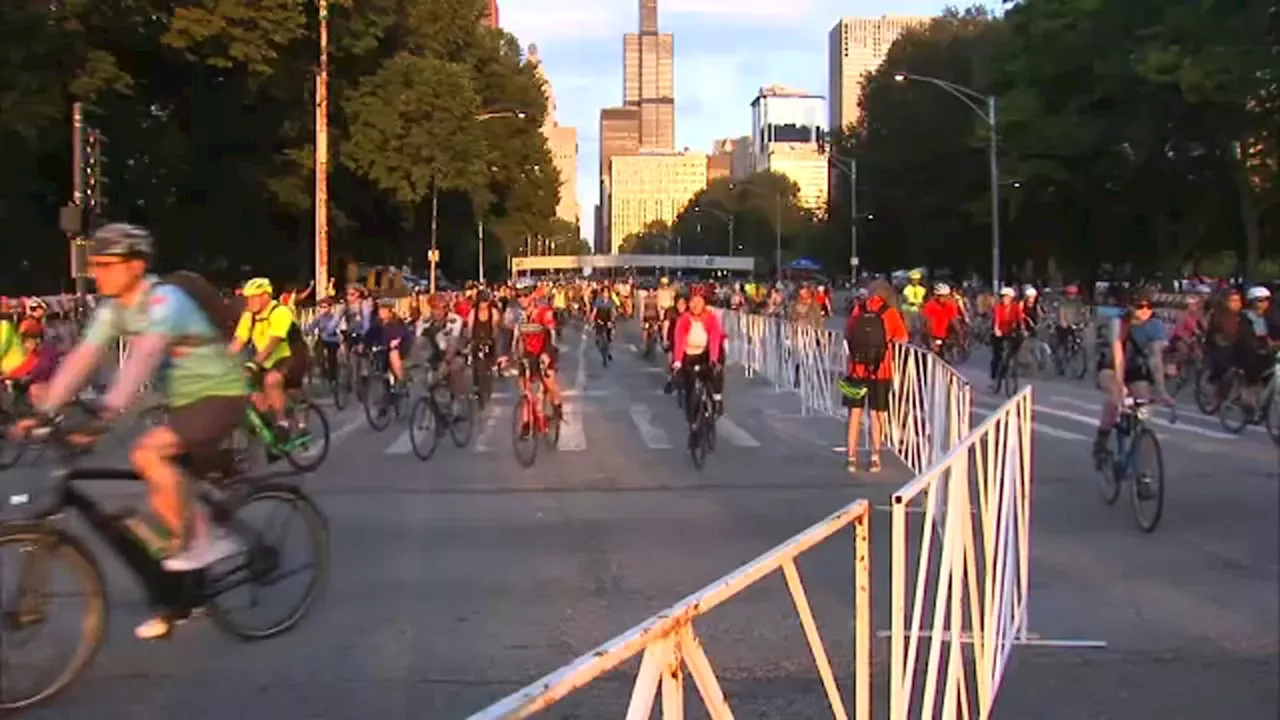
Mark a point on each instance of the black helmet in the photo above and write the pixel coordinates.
(123, 240)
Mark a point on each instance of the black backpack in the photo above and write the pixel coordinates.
(867, 340)
(221, 314)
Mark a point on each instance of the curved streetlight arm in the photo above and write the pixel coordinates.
(844, 165)
(727, 217)
(502, 114)
(966, 95)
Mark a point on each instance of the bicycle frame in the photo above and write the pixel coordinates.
(176, 593)
(534, 399)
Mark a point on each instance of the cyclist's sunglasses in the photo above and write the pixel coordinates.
(1142, 306)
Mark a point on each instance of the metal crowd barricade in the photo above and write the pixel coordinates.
(977, 582)
(670, 643)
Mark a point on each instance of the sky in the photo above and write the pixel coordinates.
(725, 50)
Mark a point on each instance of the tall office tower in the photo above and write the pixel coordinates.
(650, 187)
(619, 135)
(562, 141)
(737, 151)
(856, 46)
(647, 70)
(787, 138)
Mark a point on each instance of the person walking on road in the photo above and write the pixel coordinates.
(873, 324)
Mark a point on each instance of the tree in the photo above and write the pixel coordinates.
(208, 108)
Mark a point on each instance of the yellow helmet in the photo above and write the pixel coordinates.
(913, 275)
(257, 286)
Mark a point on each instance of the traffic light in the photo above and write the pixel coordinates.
(94, 177)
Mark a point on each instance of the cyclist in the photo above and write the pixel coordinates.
(1129, 363)
(484, 327)
(172, 333)
(445, 334)
(913, 296)
(1071, 317)
(266, 326)
(327, 327)
(603, 308)
(698, 343)
(939, 313)
(535, 341)
(649, 315)
(1007, 327)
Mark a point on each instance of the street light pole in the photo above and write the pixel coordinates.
(850, 168)
(322, 157)
(732, 245)
(480, 229)
(968, 96)
(777, 229)
(434, 255)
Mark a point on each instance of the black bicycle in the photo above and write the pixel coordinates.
(702, 429)
(1007, 372)
(1135, 457)
(1071, 359)
(604, 336)
(44, 539)
(384, 398)
(436, 413)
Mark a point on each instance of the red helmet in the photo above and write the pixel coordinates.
(1071, 290)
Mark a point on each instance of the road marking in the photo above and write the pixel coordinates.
(345, 430)
(401, 446)
(734, 433)
(580, 375)
(1054, 432)
(486, 433)
(655, 438)
(572, 436)
(1161, 422)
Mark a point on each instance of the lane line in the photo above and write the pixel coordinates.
(580, 374)
(402, 446)
(654, 437)
(572, 436)
(734, 433)
(483, 440)
(1161, 422)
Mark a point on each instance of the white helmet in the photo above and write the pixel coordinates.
(1257, 292)
(1028, 291)
(1007, 291)
(942, 289)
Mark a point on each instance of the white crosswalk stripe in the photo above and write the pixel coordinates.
(656, 424)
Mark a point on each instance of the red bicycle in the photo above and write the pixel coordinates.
(535, 417)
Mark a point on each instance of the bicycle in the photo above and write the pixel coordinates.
(1007, 371)
(335, 374)
(1242, 406)
(702, 431)
(16, 404)
(44, 537)
(433, 415)
(380, 406)
(482, 369)
(1071, 359)
(1123, 463)
(534, 418)
(604, 335)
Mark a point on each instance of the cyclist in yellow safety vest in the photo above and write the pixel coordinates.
(913, 296)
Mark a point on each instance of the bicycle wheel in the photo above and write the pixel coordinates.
(1272, 418)
(1206, 393)
(309, 445)
(1147, 488)
(1233, 412)
(462, 422)
(27, 607)
(377, 402)
(1109, 481)
(552, 435)
(1011, 379)
(1077, 363)
(524, 444)
(697, 444)
(423, 437)
(261, 567)
(708, 421)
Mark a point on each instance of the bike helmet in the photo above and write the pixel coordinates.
(1258, 292)
(1007, 292)
(257, 286)
(1029, 291)
(942, 289)
(914, 275)
(122, 240)
(1071, 290)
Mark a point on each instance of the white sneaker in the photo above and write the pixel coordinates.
(205, 549)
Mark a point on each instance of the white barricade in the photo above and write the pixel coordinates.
(977, 581)
(671, 645)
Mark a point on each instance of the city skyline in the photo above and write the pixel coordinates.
(725, 51)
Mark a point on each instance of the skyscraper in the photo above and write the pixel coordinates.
(647, 71)
(787, 138)
(562, 141)
(619, 135)
(491, 14)
(856, 46)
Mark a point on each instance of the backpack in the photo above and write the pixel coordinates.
(867, 340)
(297, 344)
(221, 315)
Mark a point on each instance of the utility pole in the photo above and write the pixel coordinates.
(72, 217)
(777, 228)
(322, 157)
(433, 256)
(480, 230)
(853, 220)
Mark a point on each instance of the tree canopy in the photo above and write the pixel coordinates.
(208, 107)
(1137, 137)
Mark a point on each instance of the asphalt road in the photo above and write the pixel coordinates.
(458, 580)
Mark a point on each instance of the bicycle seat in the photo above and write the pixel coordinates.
(1133, 402)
